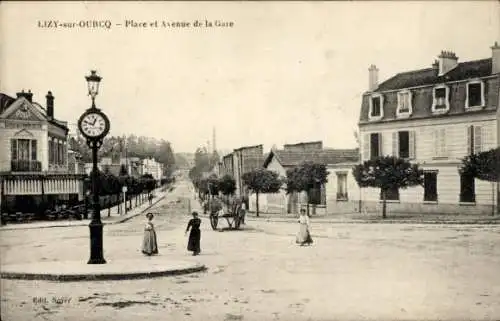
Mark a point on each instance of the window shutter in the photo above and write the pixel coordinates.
(380, 151)
(411, 144)
(13, 149)
(33, 149)
(477, 139)
(395, 144)
(469, 139)
(366, 147)
(442, 141)
(435, 138)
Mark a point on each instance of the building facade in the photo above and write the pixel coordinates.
(435, 117)
(34, 169)
(246, 159)
(339, 195)
(151, 166)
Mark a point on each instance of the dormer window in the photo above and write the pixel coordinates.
(404, 103)
(376, 107)
(440, 103)
(475, 94)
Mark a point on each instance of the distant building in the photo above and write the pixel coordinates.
(246, 159)
(151, 166)
(339, 195)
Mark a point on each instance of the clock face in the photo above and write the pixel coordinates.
(93, 125)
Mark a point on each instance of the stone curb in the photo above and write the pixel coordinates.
(101, 277)
(121, 220)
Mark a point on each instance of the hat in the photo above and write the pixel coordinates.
(148, 215)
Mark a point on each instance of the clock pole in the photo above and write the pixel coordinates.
(95, 226)
(94, 136)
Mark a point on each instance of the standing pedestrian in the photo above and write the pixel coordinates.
(150, 197)
(149, 243)
(194, 235)
(304, 235)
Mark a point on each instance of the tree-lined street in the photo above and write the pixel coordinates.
(353, 271)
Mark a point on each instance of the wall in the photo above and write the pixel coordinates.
(354, 193)
(456, 132)
(448, 183)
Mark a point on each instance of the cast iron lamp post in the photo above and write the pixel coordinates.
(94, 126)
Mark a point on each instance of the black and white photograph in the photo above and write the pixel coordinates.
(249, 160)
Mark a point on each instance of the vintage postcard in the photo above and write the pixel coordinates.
(249, 160)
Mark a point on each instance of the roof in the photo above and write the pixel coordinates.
(6, 101)
(421, 82)
(248, 147)
(326, 156)
(429, 76)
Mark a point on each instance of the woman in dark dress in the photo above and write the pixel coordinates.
(195, 235)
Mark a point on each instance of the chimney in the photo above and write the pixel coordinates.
(373, 78)
(495, 58)
(447, 61)
(28, 95)
(50, 105)
(435, 65)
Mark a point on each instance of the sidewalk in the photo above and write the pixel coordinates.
(374, 218)
(113, 219)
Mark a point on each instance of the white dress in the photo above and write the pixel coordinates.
(304, 236)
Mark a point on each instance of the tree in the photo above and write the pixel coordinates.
(307, 177)
(387, 173)
(484, 166)
(261, 181)
(227, 185)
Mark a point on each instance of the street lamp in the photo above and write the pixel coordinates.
(94, 126)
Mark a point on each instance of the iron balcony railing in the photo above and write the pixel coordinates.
(23, 165)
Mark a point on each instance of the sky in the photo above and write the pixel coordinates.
(285, 72)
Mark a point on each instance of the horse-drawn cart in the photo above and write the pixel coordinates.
(235, 214)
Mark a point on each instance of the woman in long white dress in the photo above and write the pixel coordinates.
(304, 235)
(149, 243)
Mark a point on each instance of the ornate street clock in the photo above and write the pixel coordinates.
(94, 124)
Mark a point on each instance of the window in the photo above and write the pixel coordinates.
(403, 144)
(404, 103)
(475, 94)
(467, 189)
(375, 144)
(391, 194)
(342, 187)
(376, 107)
(23, 149)
(474, 139)
(440, 142)
(440, 101)
(430, 186)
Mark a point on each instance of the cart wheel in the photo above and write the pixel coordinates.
(213, 221)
